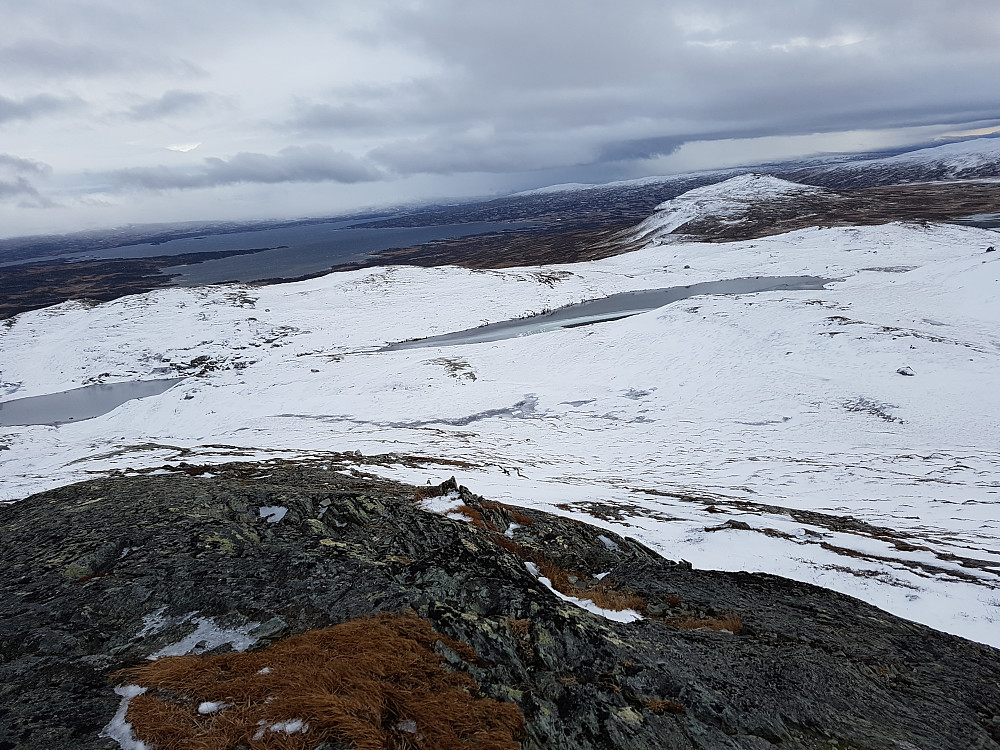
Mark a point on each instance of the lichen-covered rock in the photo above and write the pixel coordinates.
(101, 575)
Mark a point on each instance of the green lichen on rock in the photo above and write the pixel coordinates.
(101, 574)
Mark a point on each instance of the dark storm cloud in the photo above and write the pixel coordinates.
(640, 148)
(174, 102)
(314, 163)
(33, 106)
(635, 79)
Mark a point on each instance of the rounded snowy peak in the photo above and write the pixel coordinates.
(728, 200)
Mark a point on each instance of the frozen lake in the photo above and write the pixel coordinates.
(612, 307)
(79, 403)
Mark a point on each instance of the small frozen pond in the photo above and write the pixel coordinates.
(79, 403)
(983, 221)
(614, 307)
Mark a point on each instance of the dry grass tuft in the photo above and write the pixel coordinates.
(666, 707)
(602, 594)
(520, 629)
(732, 623)
(521, 518)
(374, 684)
(475, 517)
(423, 493)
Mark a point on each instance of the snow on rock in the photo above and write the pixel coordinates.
(120, 730)
(727, 200)
(446, 505)
(206, 636)
(618, 615)
(272, 513)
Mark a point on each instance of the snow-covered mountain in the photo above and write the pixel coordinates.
(978, 158)
(725, 202)
(845, 436)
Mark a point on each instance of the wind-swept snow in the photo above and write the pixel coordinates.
(765, 432)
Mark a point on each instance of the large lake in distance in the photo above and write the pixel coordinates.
(295, 250)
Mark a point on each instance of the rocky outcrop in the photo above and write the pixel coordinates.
(104, 574)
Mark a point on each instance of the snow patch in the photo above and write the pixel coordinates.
(609, 543)
(207, 636)
(118, 729)
(273, 513)
(444, 505)
(618, 615)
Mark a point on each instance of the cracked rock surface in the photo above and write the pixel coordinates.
(103, 574)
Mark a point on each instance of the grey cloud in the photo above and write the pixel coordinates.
(45, 57)
(173, 102)
(348, 116)
(314, 163)
(18, 164)
(640, 148)
(33, 106)
(15, 180)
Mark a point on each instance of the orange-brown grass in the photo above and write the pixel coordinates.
(525, 553)
(475, 516)
(514, 514)
(521, 518)
(732, 623)
(422, 493)
(520, 629)
(602, 595)
(374, 684)
(666, 707)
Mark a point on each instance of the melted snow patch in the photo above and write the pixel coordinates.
(291, 726)
(120, 730)
(273, 513)
(206, 636)
(445, 505)
(618, 615)
(609, 543)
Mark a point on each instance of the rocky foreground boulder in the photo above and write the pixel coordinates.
(246, 565)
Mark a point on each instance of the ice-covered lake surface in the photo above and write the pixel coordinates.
(78, 404)
(783, 411)
(983, 221)
(612, 307)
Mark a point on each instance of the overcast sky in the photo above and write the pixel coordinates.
(114, 112)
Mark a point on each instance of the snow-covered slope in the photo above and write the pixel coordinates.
(973, 159)
(764, 432)
(726, 201)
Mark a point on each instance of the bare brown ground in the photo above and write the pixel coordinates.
(732, 623)
(374, 683)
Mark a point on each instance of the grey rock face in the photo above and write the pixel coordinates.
(102, 574)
